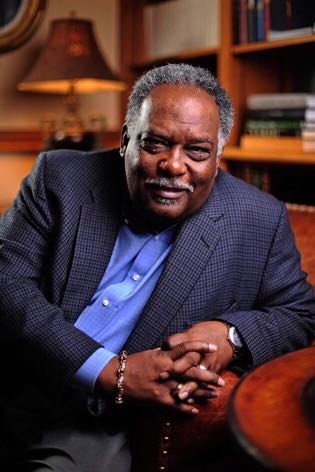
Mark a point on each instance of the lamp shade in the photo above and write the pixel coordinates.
(70, 58)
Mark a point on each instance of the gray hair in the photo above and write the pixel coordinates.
(182, 74)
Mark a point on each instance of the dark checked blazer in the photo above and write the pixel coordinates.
(233, 260)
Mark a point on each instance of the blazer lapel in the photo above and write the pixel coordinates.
(97, 232)
(194, 245)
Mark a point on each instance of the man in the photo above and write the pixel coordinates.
(152, 247)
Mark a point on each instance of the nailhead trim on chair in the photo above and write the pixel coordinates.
(298, 207)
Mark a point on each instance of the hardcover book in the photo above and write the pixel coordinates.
(265, 101)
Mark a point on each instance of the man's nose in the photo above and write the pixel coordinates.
(173, 162)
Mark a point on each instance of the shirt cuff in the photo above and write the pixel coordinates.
(87, 374)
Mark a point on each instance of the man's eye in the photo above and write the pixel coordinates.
(152, 145)
(198, 153)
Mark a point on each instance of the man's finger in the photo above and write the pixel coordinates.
(173, 340)
(192, 359)
(201, 377)
(192, 390)
(190, 346)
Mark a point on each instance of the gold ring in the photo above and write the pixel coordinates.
(176, 389)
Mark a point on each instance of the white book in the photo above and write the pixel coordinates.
(290, 33)
(179, 25)
(311, 101)
(265, 101)
(310, 114)
(308, 126)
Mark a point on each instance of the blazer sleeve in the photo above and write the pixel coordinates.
(31, 326)
(283, 318)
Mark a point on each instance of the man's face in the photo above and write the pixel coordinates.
(171, 154)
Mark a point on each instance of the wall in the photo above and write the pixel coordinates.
(22, 110)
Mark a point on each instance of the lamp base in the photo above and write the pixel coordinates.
(83, 142)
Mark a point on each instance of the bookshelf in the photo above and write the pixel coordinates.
(276, 66)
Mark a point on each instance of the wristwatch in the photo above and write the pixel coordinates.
(233, 338)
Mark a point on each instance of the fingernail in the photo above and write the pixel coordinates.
(214, 393)
(195, 411)
(190, 401)
(164, 375)
(221, 382)
(212, 347)
(183, 395)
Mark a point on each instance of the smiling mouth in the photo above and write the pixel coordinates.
(168, 193)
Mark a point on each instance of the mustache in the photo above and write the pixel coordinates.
(174, 183)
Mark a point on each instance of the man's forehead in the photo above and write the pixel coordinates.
(172, 92)
(184, 99)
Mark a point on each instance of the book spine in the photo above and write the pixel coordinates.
(309, 114)
(277, 100)
(266, 18)
(260, 32)
(251, 20)
(273, 127)
(265, 180)
(243, 24)
(277, 114)
(256, 177)
(236, 22)
(278, 15)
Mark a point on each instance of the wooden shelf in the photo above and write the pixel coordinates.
(234, 153)
(274, 44)
(180, 56)
(30, 141)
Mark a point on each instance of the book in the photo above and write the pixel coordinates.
(253, 174)
(279, 15)
(308, 125)
(272, 127)
(236, 22)
(311, 101)
(291, 33)
(266, 17)
(243, 23)
(278, 100)
(260, 26)
(276, 114)
(176, 25)
(310, 114)
(251, 20)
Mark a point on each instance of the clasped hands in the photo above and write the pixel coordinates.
(172, 376)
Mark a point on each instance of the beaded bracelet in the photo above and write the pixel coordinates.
(120, 377)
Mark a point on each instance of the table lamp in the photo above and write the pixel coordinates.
(70, 63)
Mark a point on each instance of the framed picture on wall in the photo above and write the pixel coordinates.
(18, 21)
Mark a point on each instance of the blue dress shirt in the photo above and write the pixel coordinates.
(133, 271)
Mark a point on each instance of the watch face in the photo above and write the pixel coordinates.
(234, 337)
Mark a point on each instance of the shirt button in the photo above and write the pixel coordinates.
(105, 302)
(136, 277)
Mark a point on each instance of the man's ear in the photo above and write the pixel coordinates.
(124, 139)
